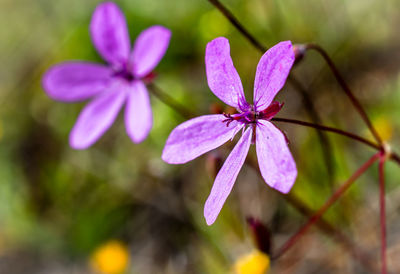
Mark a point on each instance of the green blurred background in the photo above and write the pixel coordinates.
(59, 206)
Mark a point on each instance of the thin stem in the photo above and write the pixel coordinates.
(330, 129)
(335, 196)
(382, 214)
(171, 102)
(313, 114)
(393, 156)
(238, 25)
(346, 89)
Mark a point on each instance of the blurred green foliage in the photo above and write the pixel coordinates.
(58, 204)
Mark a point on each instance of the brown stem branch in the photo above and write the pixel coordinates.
(346, 89)
(235, 22)
(329, 129)
(313, 115)
(393, 156)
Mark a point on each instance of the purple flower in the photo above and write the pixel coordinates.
(110, 85)
(202, 134)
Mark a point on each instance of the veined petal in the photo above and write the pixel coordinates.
(226, 178)
(272, 71)
(222, 77)
(110, 34)
(76, 81)
(138, 115)
(196, 137)
(150, 46)
(274, 158)
(97, 117)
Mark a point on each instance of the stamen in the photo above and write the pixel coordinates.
(228, 120)
(249, 117)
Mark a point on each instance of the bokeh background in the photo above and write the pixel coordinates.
(118, 208)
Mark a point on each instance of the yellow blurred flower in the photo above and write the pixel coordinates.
(110, 258)
(254, 263)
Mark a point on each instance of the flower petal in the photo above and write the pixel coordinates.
(274, 158)
(150, 46)
(75, 81)
(272, 71)
(196, 137)
(138, 115)
(226, 178)
(110, 34)
(222, 77)
(97, 117)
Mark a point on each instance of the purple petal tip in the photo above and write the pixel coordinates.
(77, 142)
(210, 221)
(285, 189)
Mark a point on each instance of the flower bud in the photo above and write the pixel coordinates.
(261, 234)
(299, 52)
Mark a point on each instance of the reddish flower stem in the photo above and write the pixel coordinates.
(317, 215)
(346, 89)
(335, 234)
(382, 212)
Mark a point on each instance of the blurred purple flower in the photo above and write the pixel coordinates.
(110, 85)
(202, 134)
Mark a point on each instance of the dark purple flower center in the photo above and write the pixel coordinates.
(251, 116)
(125, 74)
